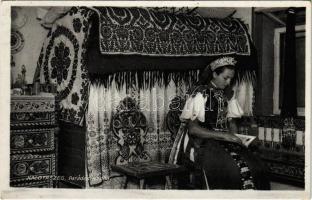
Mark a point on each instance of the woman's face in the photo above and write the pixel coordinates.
(224, 78)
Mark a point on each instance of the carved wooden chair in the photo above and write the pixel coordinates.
(129, 126)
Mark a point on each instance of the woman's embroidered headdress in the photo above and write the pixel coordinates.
(223, 61)
(243, 82)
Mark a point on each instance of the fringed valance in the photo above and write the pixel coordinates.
(148, 32)
(146, 79)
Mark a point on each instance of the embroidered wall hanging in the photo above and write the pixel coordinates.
(148, 32)
(127, 125)
(62, 62)
(130, 126)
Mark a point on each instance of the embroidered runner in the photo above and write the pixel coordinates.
(147, 32)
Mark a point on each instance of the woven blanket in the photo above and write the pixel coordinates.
(147, 32)
(62, 61)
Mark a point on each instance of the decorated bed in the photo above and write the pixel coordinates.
(121, 76)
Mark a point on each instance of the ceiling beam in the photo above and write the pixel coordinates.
(274, 18)
(270, 9)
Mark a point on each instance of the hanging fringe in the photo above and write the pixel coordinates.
(146, 79)
(246, 76)
(149, 79)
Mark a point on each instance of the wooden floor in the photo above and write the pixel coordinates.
(274, 186)
(281, 186)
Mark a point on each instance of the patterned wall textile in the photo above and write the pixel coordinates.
(62, 62)
(127, 125)
(68, 56)
(148, 32)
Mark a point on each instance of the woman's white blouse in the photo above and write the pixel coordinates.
(234, 109)
(194, 108)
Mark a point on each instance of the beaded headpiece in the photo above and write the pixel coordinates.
(222, 62)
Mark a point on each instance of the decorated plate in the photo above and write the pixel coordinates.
(17, 41)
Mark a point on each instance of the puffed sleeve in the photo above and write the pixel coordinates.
(194, 108)
(234, 109)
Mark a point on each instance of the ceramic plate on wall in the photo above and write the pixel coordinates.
(17, 41)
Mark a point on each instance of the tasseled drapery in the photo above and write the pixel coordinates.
(146, 79)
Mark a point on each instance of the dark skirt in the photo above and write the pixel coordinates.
(226, 166)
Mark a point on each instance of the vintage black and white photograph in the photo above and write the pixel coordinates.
(158, 98)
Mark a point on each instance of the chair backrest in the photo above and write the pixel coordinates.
(175, 126)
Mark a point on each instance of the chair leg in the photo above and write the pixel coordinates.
(142, 184)
(126, 183)
(206, 181)
(168, 184)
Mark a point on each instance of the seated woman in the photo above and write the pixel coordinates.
(206, 137)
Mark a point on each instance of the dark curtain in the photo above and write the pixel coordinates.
(289, 104)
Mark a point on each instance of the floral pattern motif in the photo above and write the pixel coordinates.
(77, 25)
(39, 167)
(130, 127)
(60, 62)
(32, 140)
(75, 98)
(62, 31)
(151, 32)
(63, 61)
(26, 165)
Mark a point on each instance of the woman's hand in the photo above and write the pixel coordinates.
(232, 138)
(196, 130)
